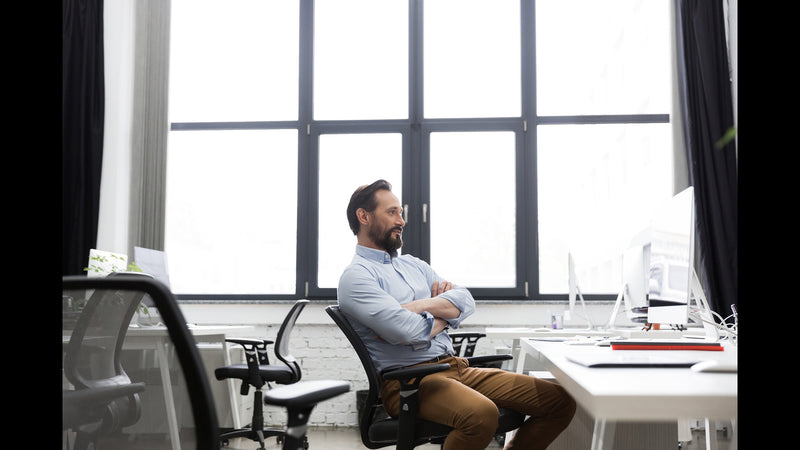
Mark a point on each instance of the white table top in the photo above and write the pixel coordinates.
(641, 394)
(520, 332)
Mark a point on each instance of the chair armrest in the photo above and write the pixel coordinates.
(86, 398)
(407, 373)
(305, 393)
(477, 361)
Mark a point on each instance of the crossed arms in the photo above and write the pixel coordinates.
(439, 307)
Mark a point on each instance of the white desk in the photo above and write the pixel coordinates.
(525, 332)
(157, 338)
(522, 332)
(640, 394)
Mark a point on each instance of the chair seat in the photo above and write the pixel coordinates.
(280, 374)
(385, 430)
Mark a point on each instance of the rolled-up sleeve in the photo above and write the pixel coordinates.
(361, 297)
(463, 300)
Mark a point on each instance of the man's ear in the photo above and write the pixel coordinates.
(363, 216)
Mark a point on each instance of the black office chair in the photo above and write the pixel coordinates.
(92, 363)
(299, 399)
(103, 398)
(258, 371)
(407, 431)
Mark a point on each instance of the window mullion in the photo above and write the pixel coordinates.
(308, 160)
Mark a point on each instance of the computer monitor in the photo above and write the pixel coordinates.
(671, 260)
(154, 263)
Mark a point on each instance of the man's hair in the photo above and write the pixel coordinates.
(364, 197)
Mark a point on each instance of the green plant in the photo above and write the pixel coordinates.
(101, 264)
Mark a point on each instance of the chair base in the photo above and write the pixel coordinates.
(254, 435)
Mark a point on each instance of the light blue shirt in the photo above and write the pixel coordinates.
(370, 293)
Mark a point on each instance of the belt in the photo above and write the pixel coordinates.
(436, 359)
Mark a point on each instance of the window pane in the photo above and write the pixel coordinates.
(472, 58)
(234, 61)
(347, 161)
(610, 57)
(598, 187)
(361, 59)
(232, 211)
(473, 208)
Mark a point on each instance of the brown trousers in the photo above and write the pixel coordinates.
(466, 398)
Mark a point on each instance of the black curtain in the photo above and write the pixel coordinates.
(82, 109)
(704, 81)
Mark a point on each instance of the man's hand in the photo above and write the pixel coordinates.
(440, 288)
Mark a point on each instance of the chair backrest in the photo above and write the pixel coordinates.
(373, 401)
(282, 340)
(93, 354)
(188, 374)
(92, 359)
(464, 342)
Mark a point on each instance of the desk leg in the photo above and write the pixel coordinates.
(169, 399)
(711, 434)
(515, 351)
(603, 434)
(684, 430)
(232, 394)
(521, 361)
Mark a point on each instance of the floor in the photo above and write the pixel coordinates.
(348, 439)
(341, 439)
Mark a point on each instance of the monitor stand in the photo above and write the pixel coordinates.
(711, 332)
(704, 311)
(622, 294)
(590, 325)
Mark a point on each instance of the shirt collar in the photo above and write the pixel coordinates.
(375, 255)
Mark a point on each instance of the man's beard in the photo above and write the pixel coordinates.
(389, 243)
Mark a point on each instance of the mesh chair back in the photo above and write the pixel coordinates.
(282, 340)
(373, 408)
(107, 350)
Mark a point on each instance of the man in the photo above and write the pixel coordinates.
(401, 308)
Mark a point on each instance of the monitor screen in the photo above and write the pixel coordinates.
(671, 257)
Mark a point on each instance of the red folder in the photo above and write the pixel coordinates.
(665, 344)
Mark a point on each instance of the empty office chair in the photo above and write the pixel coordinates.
(299, 399)
(407, 431)
(102, 399)
(464, 343)
(258, 372)
(95, 376)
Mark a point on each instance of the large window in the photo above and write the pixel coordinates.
(515, 132)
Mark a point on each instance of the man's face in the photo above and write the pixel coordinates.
(385, 228)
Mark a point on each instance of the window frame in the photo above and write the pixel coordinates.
(415, 131)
